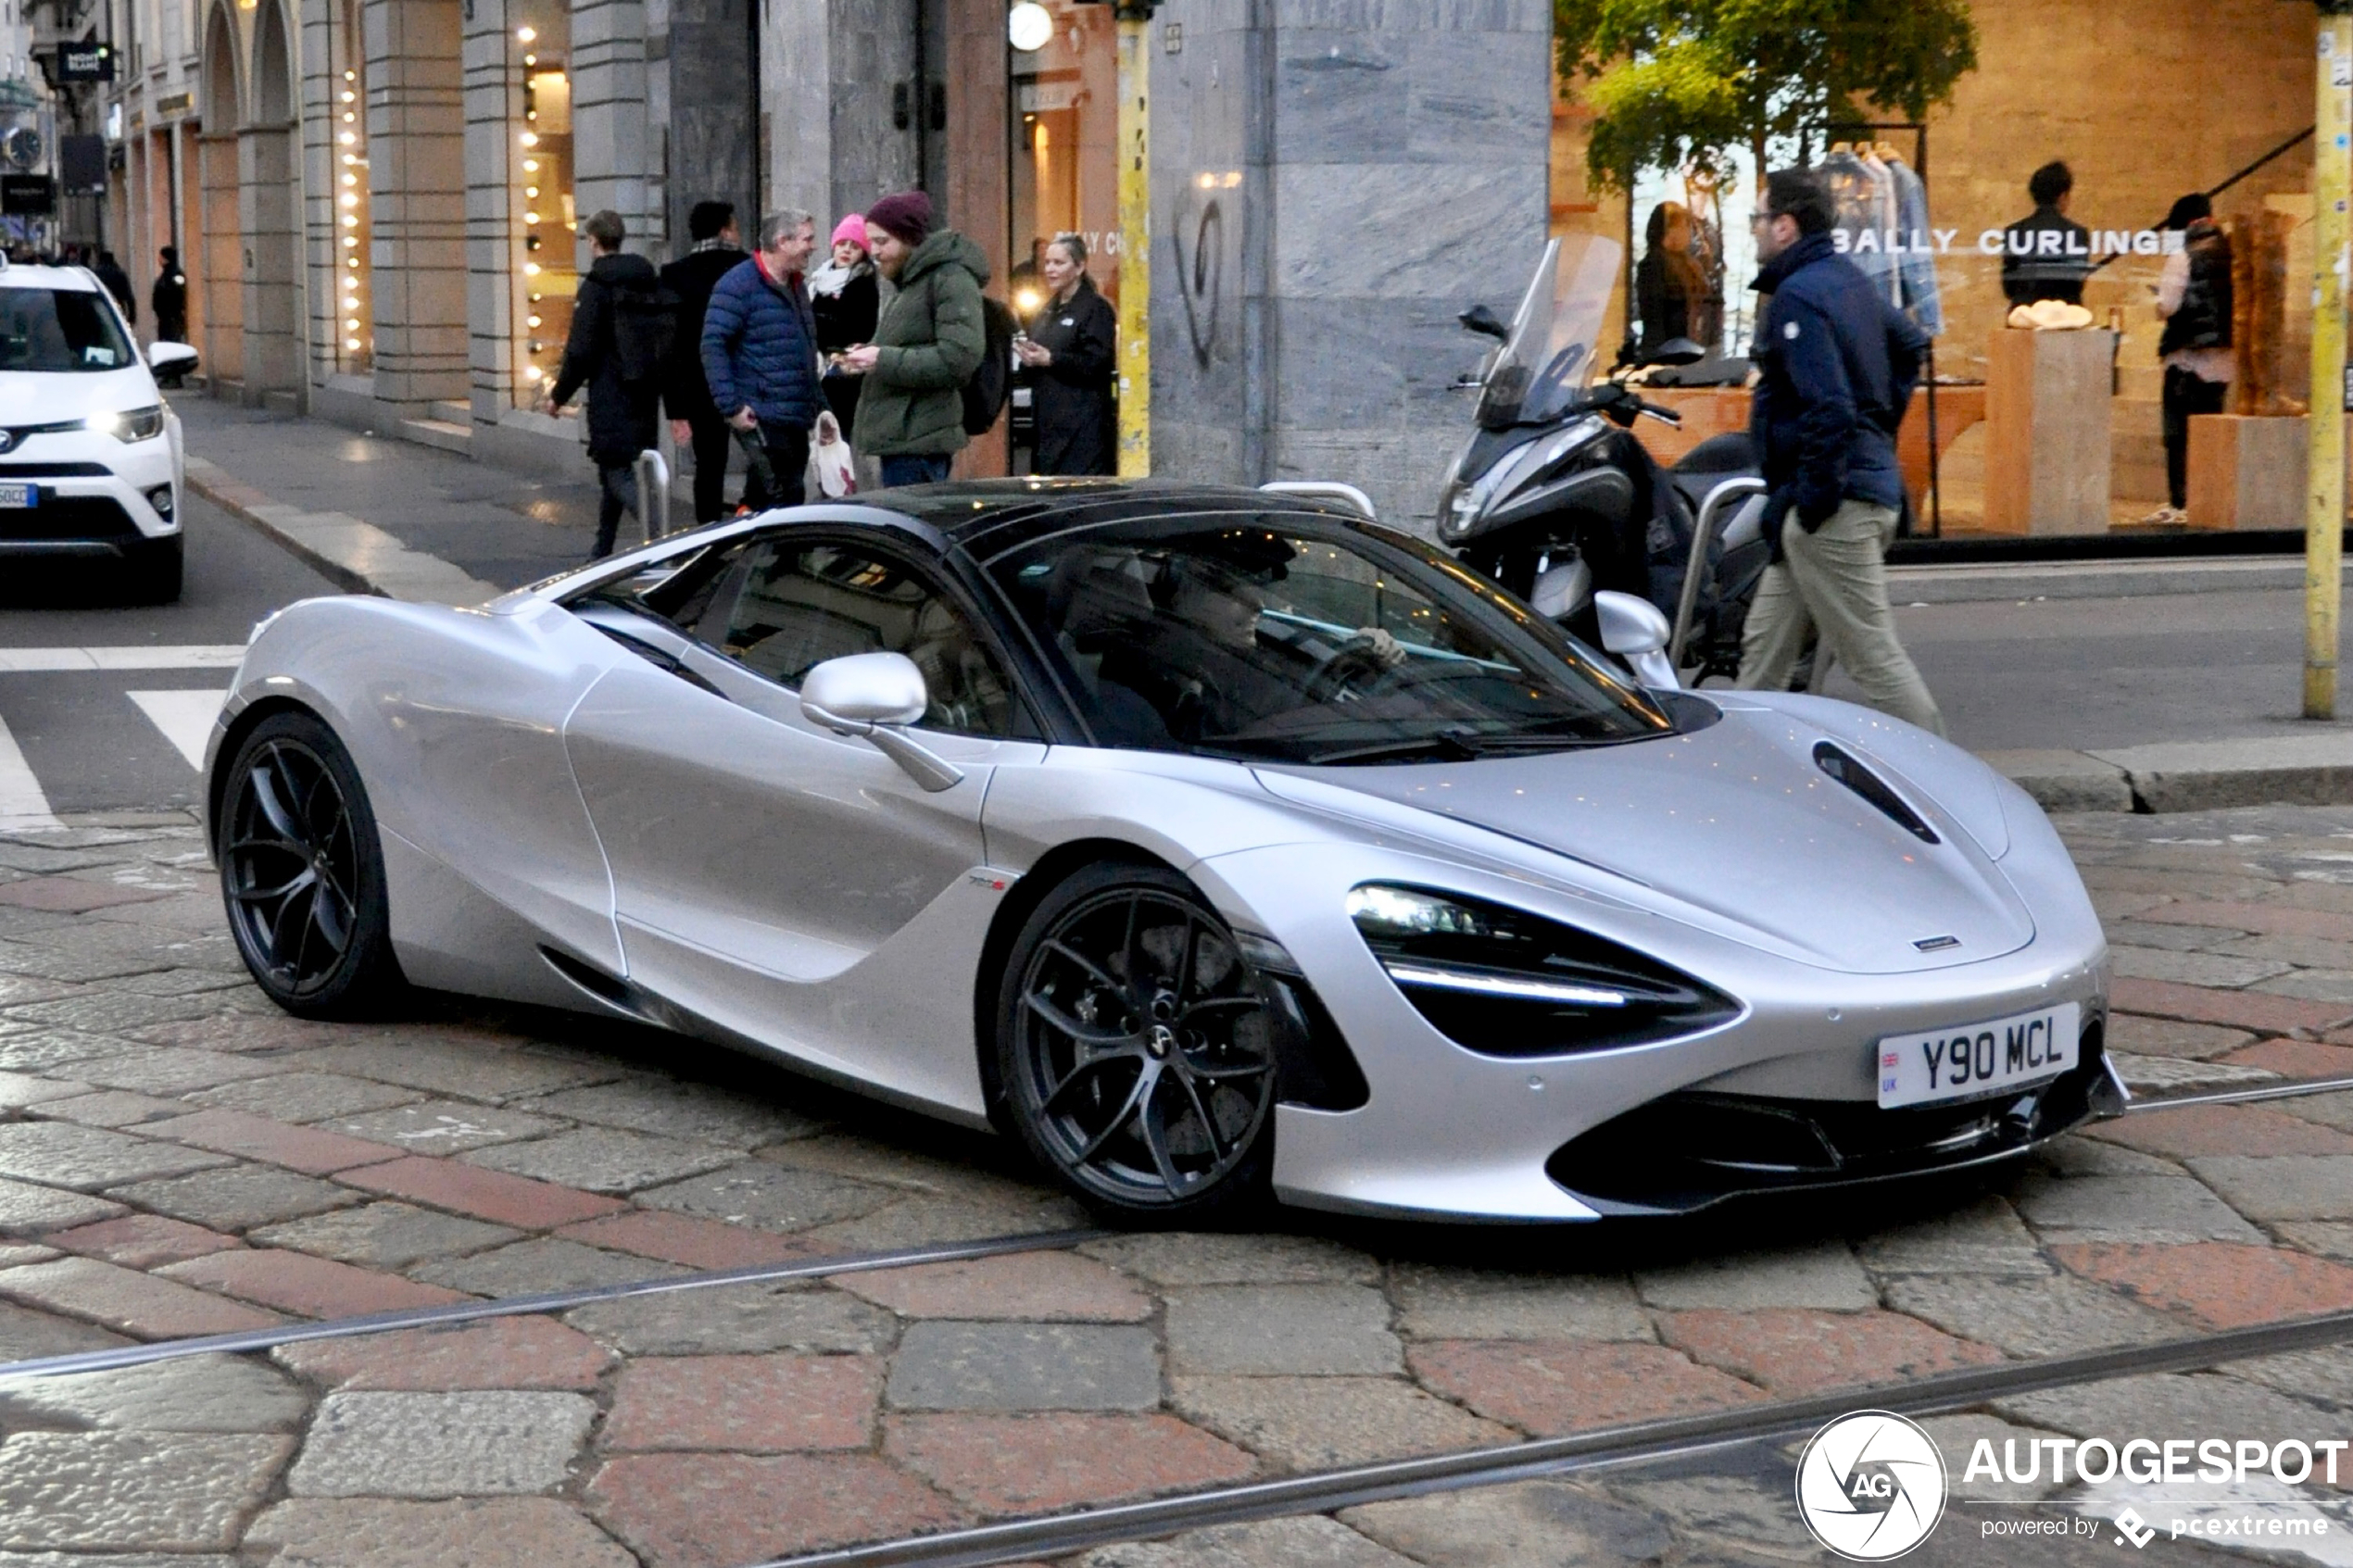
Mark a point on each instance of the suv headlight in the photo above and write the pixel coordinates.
(131, 424)
(1502, 982)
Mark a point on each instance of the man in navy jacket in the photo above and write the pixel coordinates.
(1838, 364)
(759, 354)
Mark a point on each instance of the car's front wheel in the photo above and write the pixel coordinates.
(302, 871)
(1135, 1047)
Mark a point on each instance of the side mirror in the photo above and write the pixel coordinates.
(1676, 351)
(172, 358)
(1636, 633)
(873, 695)
(1480, 319)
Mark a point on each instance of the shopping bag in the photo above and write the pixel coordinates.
(830, 459)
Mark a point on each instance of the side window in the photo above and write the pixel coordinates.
(678, 589)
(801, 603)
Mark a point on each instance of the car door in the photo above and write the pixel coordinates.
(767, 873)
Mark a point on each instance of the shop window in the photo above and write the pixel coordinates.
(545, 270)
(355, 331)
(1065, 137)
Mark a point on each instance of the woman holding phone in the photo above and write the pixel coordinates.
(1068, 351)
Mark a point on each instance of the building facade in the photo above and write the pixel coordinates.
(375, 200)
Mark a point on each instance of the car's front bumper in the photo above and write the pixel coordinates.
(1448, 1133)
(95, 496)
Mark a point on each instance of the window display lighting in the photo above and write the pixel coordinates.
(544, 211)
(356, 313)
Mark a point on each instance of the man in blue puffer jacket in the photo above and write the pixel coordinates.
(759, 354)
(1836, 366)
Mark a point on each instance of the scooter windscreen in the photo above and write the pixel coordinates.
(1548, 358)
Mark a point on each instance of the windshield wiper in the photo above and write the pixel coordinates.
(1454, 746)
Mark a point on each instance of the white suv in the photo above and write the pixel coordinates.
(90, 463)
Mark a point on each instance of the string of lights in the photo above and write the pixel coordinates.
(355, 311)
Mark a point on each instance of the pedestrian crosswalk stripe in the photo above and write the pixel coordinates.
(182, 655)
(22, 805)
(186, 718)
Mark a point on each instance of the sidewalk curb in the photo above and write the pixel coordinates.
(2308, 769)
(354, 554)
(1943, 582)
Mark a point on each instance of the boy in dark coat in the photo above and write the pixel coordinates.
(621, 395)
(759, 354)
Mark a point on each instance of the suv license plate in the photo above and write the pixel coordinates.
(20, 496)
(1982, 1059)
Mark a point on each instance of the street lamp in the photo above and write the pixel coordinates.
(1030, 27)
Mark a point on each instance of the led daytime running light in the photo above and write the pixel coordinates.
(1503, 986)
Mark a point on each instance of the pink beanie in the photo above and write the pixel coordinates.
(853, 228)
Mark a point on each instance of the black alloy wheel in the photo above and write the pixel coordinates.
(302, 872)
(1136, 1049)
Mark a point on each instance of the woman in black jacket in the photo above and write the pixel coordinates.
(846, 300)
(1068, 353)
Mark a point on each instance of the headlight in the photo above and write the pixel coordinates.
(1502, 982)
(131, 424)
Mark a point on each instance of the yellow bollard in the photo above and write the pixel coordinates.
(2324, 502)
(1135, 242)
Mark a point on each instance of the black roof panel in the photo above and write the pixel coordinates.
(987, 517)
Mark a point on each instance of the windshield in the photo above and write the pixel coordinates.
(1293, 638)
(1550, 355)
(59, 330)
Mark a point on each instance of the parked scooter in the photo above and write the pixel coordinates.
(1554, 498)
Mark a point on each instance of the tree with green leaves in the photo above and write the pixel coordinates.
(1676, 83)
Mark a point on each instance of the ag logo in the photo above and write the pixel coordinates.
(1871, 1486)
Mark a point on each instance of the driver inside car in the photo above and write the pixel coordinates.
(1202, 661)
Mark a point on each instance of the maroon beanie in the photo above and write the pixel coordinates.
(906, 216)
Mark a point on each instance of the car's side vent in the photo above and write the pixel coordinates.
(1843, 766)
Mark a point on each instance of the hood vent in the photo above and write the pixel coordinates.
(1842, 765)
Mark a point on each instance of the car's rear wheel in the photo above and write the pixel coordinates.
(302, 871)
(1135, 1047)
(154, 570)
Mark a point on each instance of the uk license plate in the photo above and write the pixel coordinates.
(19, 495)
(1979, 1059)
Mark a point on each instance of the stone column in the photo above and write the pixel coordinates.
(1371, 151)
(712, 118)
(268, 190)
(870, 56)
(417, 201)
(609, 120)
(214, 260)
(493, 109)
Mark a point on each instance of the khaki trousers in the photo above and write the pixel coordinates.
(1833, 581)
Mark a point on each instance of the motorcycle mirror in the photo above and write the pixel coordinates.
(1480, 319)
(1676, 351)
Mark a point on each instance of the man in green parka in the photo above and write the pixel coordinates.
(930, 338)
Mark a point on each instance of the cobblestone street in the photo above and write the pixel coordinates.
(179, 1158)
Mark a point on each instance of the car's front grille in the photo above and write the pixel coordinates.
(1684, 1151)
(62, 517)
(54, 471)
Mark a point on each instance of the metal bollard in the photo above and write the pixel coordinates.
(653, 494)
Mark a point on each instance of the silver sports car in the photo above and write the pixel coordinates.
(1208, 841)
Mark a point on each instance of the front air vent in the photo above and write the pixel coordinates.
(1843, 766)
